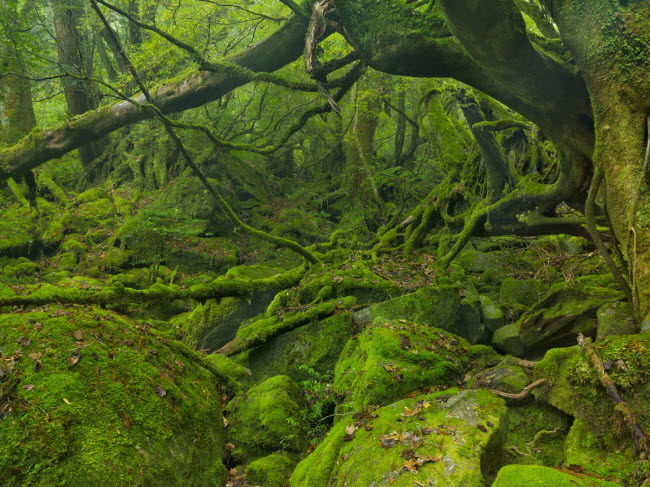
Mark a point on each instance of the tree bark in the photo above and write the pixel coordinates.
(611, 46)
(73, 56)
(16, 96)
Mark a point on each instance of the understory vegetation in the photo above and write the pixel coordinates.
(332, 243)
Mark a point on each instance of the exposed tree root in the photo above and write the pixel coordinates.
(638, 435)
(520, 395)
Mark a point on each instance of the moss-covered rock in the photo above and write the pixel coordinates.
(602, 458)
(445, 436)
(21, 268)
(316, 345)
(536, 435)
(536, 476)
(474, 261)
(15, 239)
(507, 339)
(265, 419)
(523, 292)
(503, 377)
(433, 306)
(91, 398)
(573, 387)
(271, 471)
(615, 319)
(491, 314)
(390, 359)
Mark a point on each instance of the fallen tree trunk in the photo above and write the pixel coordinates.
(279, 49)
(118, 294)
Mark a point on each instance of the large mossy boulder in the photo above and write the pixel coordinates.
(616, 319)
(520, 292)
(389, 360)
(440, 307)
(446, 437)
(88, 397)
(559, 317)
(316, 346)
(475, 261)
(266, 419)
(573, 386)
(537, 476)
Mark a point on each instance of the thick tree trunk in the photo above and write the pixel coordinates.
(16, 97)
(73, 58)
(611, 44)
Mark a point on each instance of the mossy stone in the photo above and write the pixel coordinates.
(598, 457)
(474, 261)
(491, 314)
(507, 340)
(536, 434)
(537, 476)
(265, 419)
(390, 359)
(432, 306)
(15, 240)
(271, 471)
(616, 319)
(526, 292)
(455, 430)
(317, 345)
(91, 398)
(573, 386)
(504, 377)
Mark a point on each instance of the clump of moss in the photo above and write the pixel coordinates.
(265, 419)
(91, 398)
(391, 359)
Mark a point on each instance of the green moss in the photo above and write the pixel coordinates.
(24, 267)
(15, 238)
(265, 419)
(443, 425)
(125, 410)
(391, 359)
(271, 471)
(526, 292)
(536, 476)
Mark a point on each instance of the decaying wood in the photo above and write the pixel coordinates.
(638, 435)
(520, 395)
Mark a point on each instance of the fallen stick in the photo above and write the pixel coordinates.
(639, 437)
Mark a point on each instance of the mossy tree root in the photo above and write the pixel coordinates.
(639, 437)
(595, 236)
(118, 294)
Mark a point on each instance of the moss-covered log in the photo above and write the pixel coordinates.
(118, 294)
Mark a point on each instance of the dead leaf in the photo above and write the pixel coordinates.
(409, 413)
(226, 422)
(482, 428)
(38, 326)
(74, 357)
(179, 363)
(230, 446)
(28, 387)
(350, 432)
(389, 368)
(67, 402)
(35, 356)
(78, 335)
(24, 341)
(160, 391)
